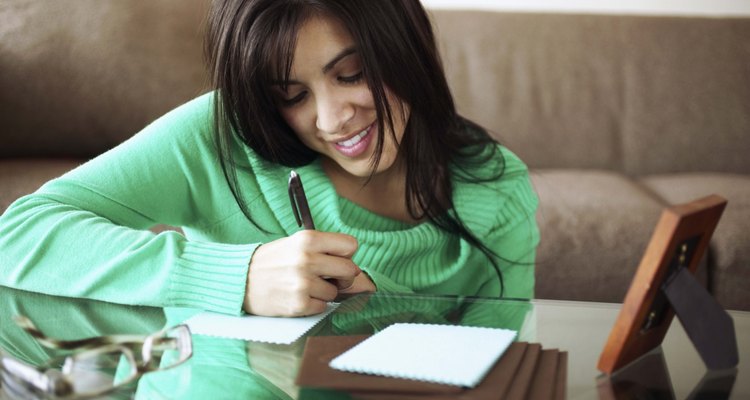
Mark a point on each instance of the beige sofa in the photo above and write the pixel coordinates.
(617, 116)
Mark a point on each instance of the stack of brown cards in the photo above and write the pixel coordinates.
(525, 371)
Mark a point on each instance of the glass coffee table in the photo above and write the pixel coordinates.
(582, 329)
(232, 368)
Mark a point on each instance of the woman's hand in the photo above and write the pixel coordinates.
(299, 274)
(361, 283)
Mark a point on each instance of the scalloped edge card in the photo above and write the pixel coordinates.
(277, 330)
(447, 354)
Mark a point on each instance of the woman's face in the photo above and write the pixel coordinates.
(329, 105)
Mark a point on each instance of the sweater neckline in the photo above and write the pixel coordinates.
(331, 212)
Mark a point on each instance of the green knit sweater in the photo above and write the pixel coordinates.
(86, 234)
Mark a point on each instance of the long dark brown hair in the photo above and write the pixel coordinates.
(251, 43)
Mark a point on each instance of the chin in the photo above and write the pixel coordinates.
(359, 172)
(362, 168)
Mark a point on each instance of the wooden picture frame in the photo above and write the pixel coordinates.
(679, 241)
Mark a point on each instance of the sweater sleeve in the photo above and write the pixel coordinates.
(85, 234)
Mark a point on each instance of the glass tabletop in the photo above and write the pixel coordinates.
(231, 368)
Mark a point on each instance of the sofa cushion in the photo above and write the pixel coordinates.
(535, 81)
(19, 177)
(79, 77)
(595, 226)
(637, 94)
(730, 246)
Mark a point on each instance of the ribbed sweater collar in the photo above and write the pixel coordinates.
(330, 212)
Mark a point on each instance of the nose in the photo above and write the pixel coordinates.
(333, 112)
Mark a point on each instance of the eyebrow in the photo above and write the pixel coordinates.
(326, 68)
(343, 54)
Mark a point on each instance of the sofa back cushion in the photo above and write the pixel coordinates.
(78, 77)
(638, 94)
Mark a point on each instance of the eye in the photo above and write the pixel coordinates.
(352, 78)
(294, 100)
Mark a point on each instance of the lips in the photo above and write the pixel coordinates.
(357, 144)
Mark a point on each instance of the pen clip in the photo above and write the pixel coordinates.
(293, 179)
(300, 207)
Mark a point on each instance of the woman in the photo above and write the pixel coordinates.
(406, 195)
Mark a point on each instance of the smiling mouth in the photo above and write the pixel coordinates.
(356, 138)
(356, 145)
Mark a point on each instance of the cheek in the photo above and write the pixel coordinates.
(291, 117)
(363, 98)
(296, 120)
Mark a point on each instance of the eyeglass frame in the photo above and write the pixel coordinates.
(54, 382)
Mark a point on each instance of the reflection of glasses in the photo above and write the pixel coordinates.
(97, 366)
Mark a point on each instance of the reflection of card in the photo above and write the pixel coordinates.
(447, 354)
(255, 328)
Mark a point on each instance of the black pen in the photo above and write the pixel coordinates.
(300, 208)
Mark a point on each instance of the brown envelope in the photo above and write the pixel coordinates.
(548, 383)
(545, 378)
(315, 372)
(319, 351)
(524, 375)
(562, 377)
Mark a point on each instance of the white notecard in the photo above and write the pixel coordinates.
(447, 354)
(276, 330)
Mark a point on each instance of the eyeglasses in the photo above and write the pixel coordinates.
(96, 366)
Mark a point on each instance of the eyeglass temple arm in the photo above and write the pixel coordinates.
(50, 381)
(28, 326)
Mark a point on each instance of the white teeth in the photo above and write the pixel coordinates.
(356, 139)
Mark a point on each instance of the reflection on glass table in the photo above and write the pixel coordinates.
(227, 368)
(96, 366)
(648, 378)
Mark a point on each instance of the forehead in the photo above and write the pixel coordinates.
(319, 39)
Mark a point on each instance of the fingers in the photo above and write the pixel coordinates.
(331, 267)
(314, 306)
(299, 274)
(327, 255)
(344, 284)
(319, 288)
(297, 306)
(336, 244)
(305, 307)
(274, 294)
(361, 283)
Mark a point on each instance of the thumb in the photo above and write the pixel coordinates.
(344, 284)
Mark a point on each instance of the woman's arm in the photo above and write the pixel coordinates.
(85, 233)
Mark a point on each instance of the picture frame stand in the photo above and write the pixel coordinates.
(664, 285)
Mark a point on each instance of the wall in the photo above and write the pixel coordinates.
(647, 7)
